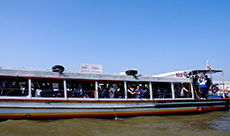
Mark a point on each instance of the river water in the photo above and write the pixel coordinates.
(212, 123)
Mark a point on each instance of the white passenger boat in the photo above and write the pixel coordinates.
(57, 94)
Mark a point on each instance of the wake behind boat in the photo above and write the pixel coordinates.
(56, 94)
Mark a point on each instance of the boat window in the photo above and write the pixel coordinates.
(161, 90)
(110, 89)
(133, 93)
(182, 90)
(47, 88)
(13, 87)
(80, 89)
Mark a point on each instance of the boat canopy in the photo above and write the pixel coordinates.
(187, 73)
(208, 71)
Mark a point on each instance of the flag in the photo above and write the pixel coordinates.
(207, 67)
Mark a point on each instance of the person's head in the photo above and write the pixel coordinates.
(202, 76)
(138, 87)
(143, 86)
(110, 85)
(59, 95)
(175, 86)
(196, 76)
(102, 87)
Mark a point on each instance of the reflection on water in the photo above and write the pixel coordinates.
(212, 123)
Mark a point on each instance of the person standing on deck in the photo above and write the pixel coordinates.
(146, 92)
(202, 83)
(181, 91)
(159, 92)
(130, 90)
(196, 85)
(208, 84)
(138, 92)
(120, 91)
(104, 92)
(111, 91)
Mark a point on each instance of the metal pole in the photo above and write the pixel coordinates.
(191, 84)
(173, 91)
(96, 89)
(29, 88)
(126, 93)
(65, 89)
(150, 90)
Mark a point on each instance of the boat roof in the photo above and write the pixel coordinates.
(207, 71)
(187, 73)
(31, 74)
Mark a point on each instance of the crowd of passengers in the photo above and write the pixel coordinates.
(133, 92)
(15, 88)
(12, 88)
(202, 85)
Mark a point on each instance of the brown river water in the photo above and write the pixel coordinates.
(211, 123)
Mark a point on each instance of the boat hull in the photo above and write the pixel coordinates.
(42, 108)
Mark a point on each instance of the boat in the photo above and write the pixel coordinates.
(41, 94)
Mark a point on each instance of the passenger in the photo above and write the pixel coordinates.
(138, 93)
(86, 95)
(208, 84)
(130, 90)
(2, 86)
(164, 92)
(111, 91)
(11, 91)
(202, 84)
(196, 86)
(120, 91)
(146, 92)
(154, 92)
(159, 91)
(38, 90)
(176, 88)
(104, 92)
(44, 94)
(77, 92)
(59, 95)
(214, 88)
(16, 86)
(25, 91)
(181, 91)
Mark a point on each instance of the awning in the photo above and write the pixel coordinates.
(195, 72)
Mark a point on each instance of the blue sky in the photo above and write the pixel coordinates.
(153, 36)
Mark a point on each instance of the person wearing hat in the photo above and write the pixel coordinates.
(202, 84)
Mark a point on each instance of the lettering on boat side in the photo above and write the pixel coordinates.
(179, 74)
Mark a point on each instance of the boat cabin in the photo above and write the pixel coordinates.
(35, 84)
